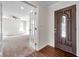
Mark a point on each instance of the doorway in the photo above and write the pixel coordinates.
(17, 18)
(65, 29)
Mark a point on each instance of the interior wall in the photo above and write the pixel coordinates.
(52, 9)
(42, 25)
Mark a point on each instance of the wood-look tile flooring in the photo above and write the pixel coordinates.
(49, 51)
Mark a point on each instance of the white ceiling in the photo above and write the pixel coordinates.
(20, 9)
(47, 3)
(14, 8)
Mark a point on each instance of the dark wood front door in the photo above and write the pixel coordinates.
(65, 29)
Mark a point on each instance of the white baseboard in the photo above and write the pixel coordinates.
(51, 45)
(38, 49)
(41, 47)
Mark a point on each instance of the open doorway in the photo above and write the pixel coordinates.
(18, 26)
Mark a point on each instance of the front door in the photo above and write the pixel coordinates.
(65, 29)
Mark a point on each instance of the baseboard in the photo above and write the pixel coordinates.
(42, 47)
(45, 46)
(51, 45)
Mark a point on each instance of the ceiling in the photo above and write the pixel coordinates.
(17, 9)
(47, 3)
(21, 9)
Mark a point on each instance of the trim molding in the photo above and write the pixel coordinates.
(41, 47)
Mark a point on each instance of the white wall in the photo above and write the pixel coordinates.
(57, 6)
(42, 25)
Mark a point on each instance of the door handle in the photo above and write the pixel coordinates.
(54, 28)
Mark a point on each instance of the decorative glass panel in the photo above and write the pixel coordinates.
(63, 27)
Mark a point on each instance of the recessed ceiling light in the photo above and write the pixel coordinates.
(22, 8)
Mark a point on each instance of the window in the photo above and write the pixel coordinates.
(27, 27)
(63, 26)
(21, 29)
